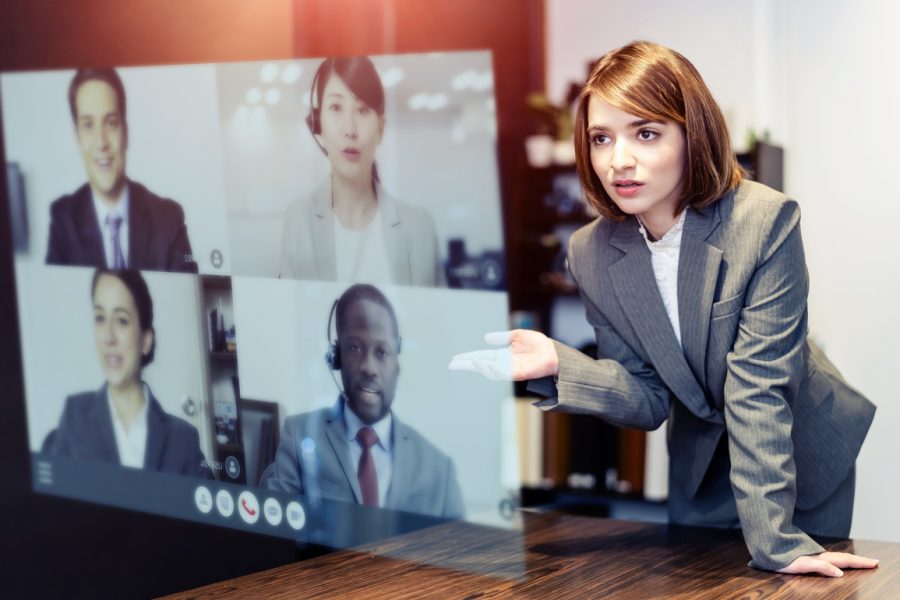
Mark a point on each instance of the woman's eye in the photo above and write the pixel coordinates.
(647, 134)
(599, 139)
(122, 322)
(98, 319)
(363, 110)
(335, 107)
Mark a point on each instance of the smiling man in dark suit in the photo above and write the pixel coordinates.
(358, 450)
(112, 221)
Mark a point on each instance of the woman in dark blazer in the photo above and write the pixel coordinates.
(695, 282)
(122, 422)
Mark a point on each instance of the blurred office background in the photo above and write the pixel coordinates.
(811, 83)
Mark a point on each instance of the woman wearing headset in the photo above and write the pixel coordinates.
(351, 229)
(695, 282)
(122, 422)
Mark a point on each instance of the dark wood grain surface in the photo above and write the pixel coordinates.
(550, 556)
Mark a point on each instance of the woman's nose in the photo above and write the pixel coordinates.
(350, 129)
(622, 156)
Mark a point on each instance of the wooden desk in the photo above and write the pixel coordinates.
(559, 556)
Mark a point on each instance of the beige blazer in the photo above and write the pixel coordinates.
(746, 369)
(307, 245)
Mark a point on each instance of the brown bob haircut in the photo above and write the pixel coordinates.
(653, 82)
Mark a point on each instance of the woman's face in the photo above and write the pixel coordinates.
(117, 332)
(640, 162)
(350, 131)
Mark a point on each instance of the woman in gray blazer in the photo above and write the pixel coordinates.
(350, 229)
(695, 282)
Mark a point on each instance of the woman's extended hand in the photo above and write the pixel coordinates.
(828, 564)
(527, 355)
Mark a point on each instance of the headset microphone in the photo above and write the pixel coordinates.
(313, 118)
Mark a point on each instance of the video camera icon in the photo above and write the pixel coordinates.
(296, 516)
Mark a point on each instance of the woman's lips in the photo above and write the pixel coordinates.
(627, 187)
(113, 361)
(351, 154)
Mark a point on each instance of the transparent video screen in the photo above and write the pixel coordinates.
(239, 287)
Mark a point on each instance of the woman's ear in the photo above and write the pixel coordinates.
(147, 341)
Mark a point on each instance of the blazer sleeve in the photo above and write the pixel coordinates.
(56, 247)
(180, 255)
(284, 474)
(453, 503)
(764, 371)
(618, 386)
(288, 267)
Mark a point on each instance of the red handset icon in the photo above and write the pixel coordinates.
(249, 510)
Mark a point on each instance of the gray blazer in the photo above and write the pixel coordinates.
(794, 426)
(307, 245)
(423, 479)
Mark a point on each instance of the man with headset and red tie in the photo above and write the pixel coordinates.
(358, 451)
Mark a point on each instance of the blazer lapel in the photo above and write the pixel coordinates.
(138, 227)
(635, 288)
(91, 239)
(106, 437)
(337, 437)
(698, 273)
(156, 434)
(323, 232)
(398, 256)
(401, 473)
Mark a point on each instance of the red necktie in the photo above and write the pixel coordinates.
(368, 478)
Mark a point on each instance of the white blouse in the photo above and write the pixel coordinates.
(664, 255)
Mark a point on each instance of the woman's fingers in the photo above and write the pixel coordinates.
(493, 364)
(845, 560)
(829, 564)
(811, 564)
(498, 338)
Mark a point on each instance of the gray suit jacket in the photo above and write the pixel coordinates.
(423, 479)
(745, 367)
(307, 245)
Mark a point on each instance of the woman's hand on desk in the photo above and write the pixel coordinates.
(526, 355)
(828, 564)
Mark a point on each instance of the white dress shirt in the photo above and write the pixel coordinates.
(382, 451)
(103, 211)
(664, 255)
(132, 444)
(361, 254)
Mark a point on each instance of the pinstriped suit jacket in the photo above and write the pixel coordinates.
(745, 367)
